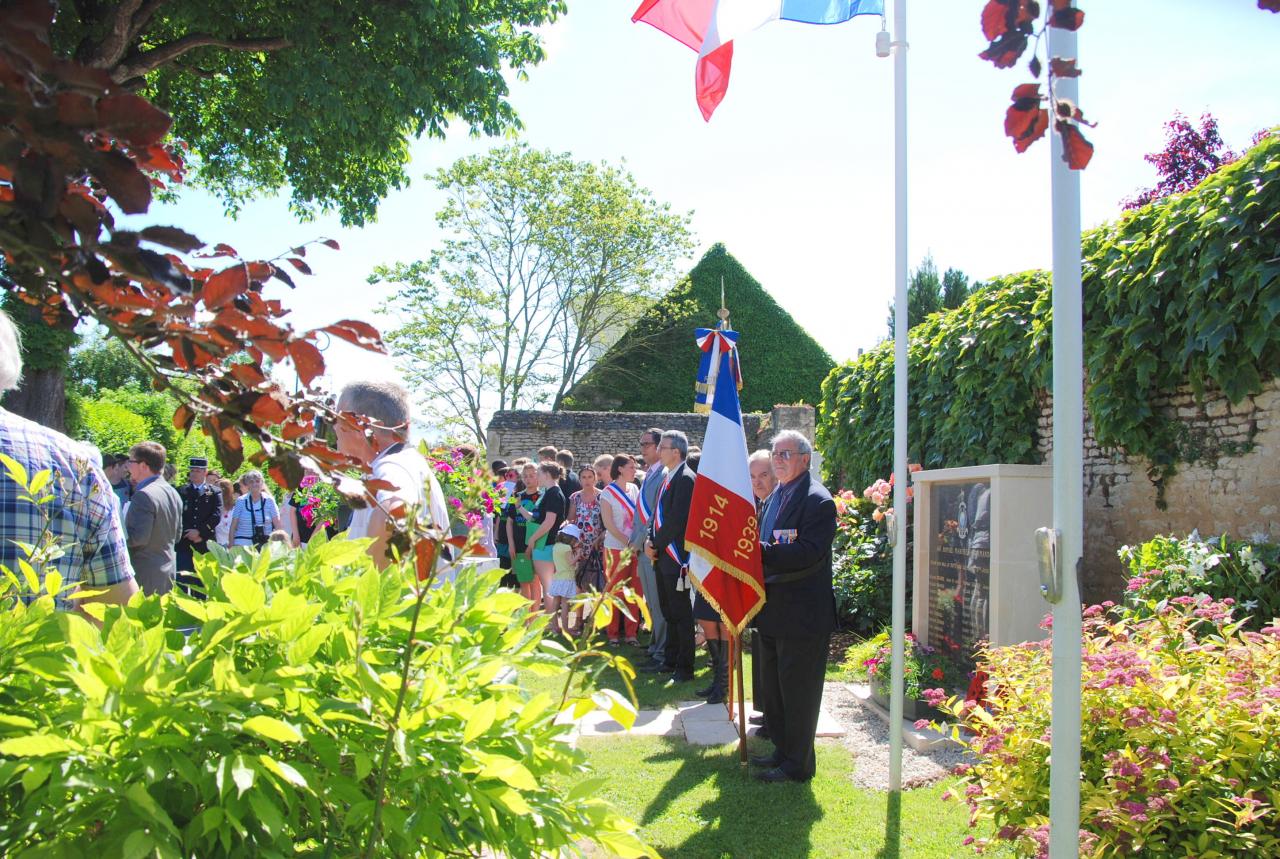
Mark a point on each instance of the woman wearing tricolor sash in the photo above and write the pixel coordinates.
(618, 512)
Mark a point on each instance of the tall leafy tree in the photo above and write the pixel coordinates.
(925, 293)
(955, 288)
(547, 260)
(318, 96)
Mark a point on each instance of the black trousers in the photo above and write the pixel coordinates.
(678, 611)
(793, 669)
(757, 675)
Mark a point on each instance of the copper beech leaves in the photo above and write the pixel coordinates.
(1269, 5)
(1026, 120)
(73, 147)
(1010, 26)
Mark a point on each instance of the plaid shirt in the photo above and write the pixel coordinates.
(83, 518)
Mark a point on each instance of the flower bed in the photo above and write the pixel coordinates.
(1180, 737)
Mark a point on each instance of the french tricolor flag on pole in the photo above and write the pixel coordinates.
(710, 26)
(722, 536)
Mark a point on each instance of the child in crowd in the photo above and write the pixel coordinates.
(563, 585)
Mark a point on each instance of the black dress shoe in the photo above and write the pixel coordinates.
(766, 761)
(757, 719)
(774, 774)
(656, 668)
(763, 733)
(682, 676)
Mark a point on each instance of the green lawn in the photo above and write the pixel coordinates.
(693, 802)
(696, 802)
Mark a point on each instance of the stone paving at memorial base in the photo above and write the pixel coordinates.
(700, 724)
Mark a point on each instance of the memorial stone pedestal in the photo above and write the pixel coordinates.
(976, 576)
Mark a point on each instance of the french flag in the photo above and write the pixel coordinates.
(722, 535)
(710, 26)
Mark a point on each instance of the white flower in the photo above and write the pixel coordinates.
(1249, 605)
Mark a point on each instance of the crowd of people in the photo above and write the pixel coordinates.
(560, 530)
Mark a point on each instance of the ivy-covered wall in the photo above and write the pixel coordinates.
(652, 368)
(1182, 292)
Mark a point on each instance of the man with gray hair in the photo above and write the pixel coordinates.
(384, 446)
(665, 548)
(798, 526)
(83, 517)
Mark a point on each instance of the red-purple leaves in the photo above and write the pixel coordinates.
(1026, 120)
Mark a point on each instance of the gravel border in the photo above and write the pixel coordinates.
(867, 738)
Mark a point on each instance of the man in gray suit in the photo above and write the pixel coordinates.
(649, 489)
(153, 523)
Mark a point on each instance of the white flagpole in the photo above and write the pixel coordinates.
(1068, 479)
(901, 320)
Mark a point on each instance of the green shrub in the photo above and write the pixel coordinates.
(1184, 291)
(862, 562)
(267, 721)
(1166, 568)
(1180, 737)
(854, 666)
(111, 427)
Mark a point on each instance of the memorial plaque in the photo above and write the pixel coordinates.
(959, 568)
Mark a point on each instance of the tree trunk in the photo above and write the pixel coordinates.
(41, 398)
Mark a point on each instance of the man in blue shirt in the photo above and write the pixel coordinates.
(83, 519)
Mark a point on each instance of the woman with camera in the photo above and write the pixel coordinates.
(255, 515)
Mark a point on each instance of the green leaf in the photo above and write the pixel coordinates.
(283, 770)
(242, 774)
(140, 799)
(272, 729)
(481, 720)
(137, 845)
(17, 472)
(505, 769)
(36, 745)
(243, 592)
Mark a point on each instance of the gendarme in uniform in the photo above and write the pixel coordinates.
(201, 511)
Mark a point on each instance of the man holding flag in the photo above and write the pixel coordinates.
(797, 528)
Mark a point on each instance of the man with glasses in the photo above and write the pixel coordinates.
(654, 474)
(665, 548)
(797, 528)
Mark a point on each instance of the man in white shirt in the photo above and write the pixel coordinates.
(385, 447)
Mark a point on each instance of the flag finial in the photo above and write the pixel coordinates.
(723, 313)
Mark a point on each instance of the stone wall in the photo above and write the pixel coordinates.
(1234, 488)
(514, 434)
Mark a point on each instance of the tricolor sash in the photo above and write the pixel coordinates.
(618, 494)
(657, 518)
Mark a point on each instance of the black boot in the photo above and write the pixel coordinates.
(720, 672)
(707, 690)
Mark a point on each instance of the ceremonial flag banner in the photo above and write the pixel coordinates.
(722, 536)
(710, 26)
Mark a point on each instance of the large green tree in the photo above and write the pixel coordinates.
(319, 96)
(547, 261)
(927, 292)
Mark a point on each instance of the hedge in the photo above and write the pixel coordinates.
(1184, 291)
(653, 366)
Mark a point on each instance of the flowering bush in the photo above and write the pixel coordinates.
(923, 667)
(320, 509)
(861, 565)
(1167, 568)
(1179, 737)
(467, 486)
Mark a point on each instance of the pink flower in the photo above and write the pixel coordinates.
(456, 502)
(309, 480)
(921, 724)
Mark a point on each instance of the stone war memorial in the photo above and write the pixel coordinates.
(975, 571)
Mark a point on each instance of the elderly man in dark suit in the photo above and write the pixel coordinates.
(153, 522)
(665, 548)
(797, 529)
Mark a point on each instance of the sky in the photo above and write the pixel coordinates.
(794, 173)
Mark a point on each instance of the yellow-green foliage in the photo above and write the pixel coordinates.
(1183, 291)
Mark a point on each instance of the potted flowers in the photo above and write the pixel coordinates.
(923, 668)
